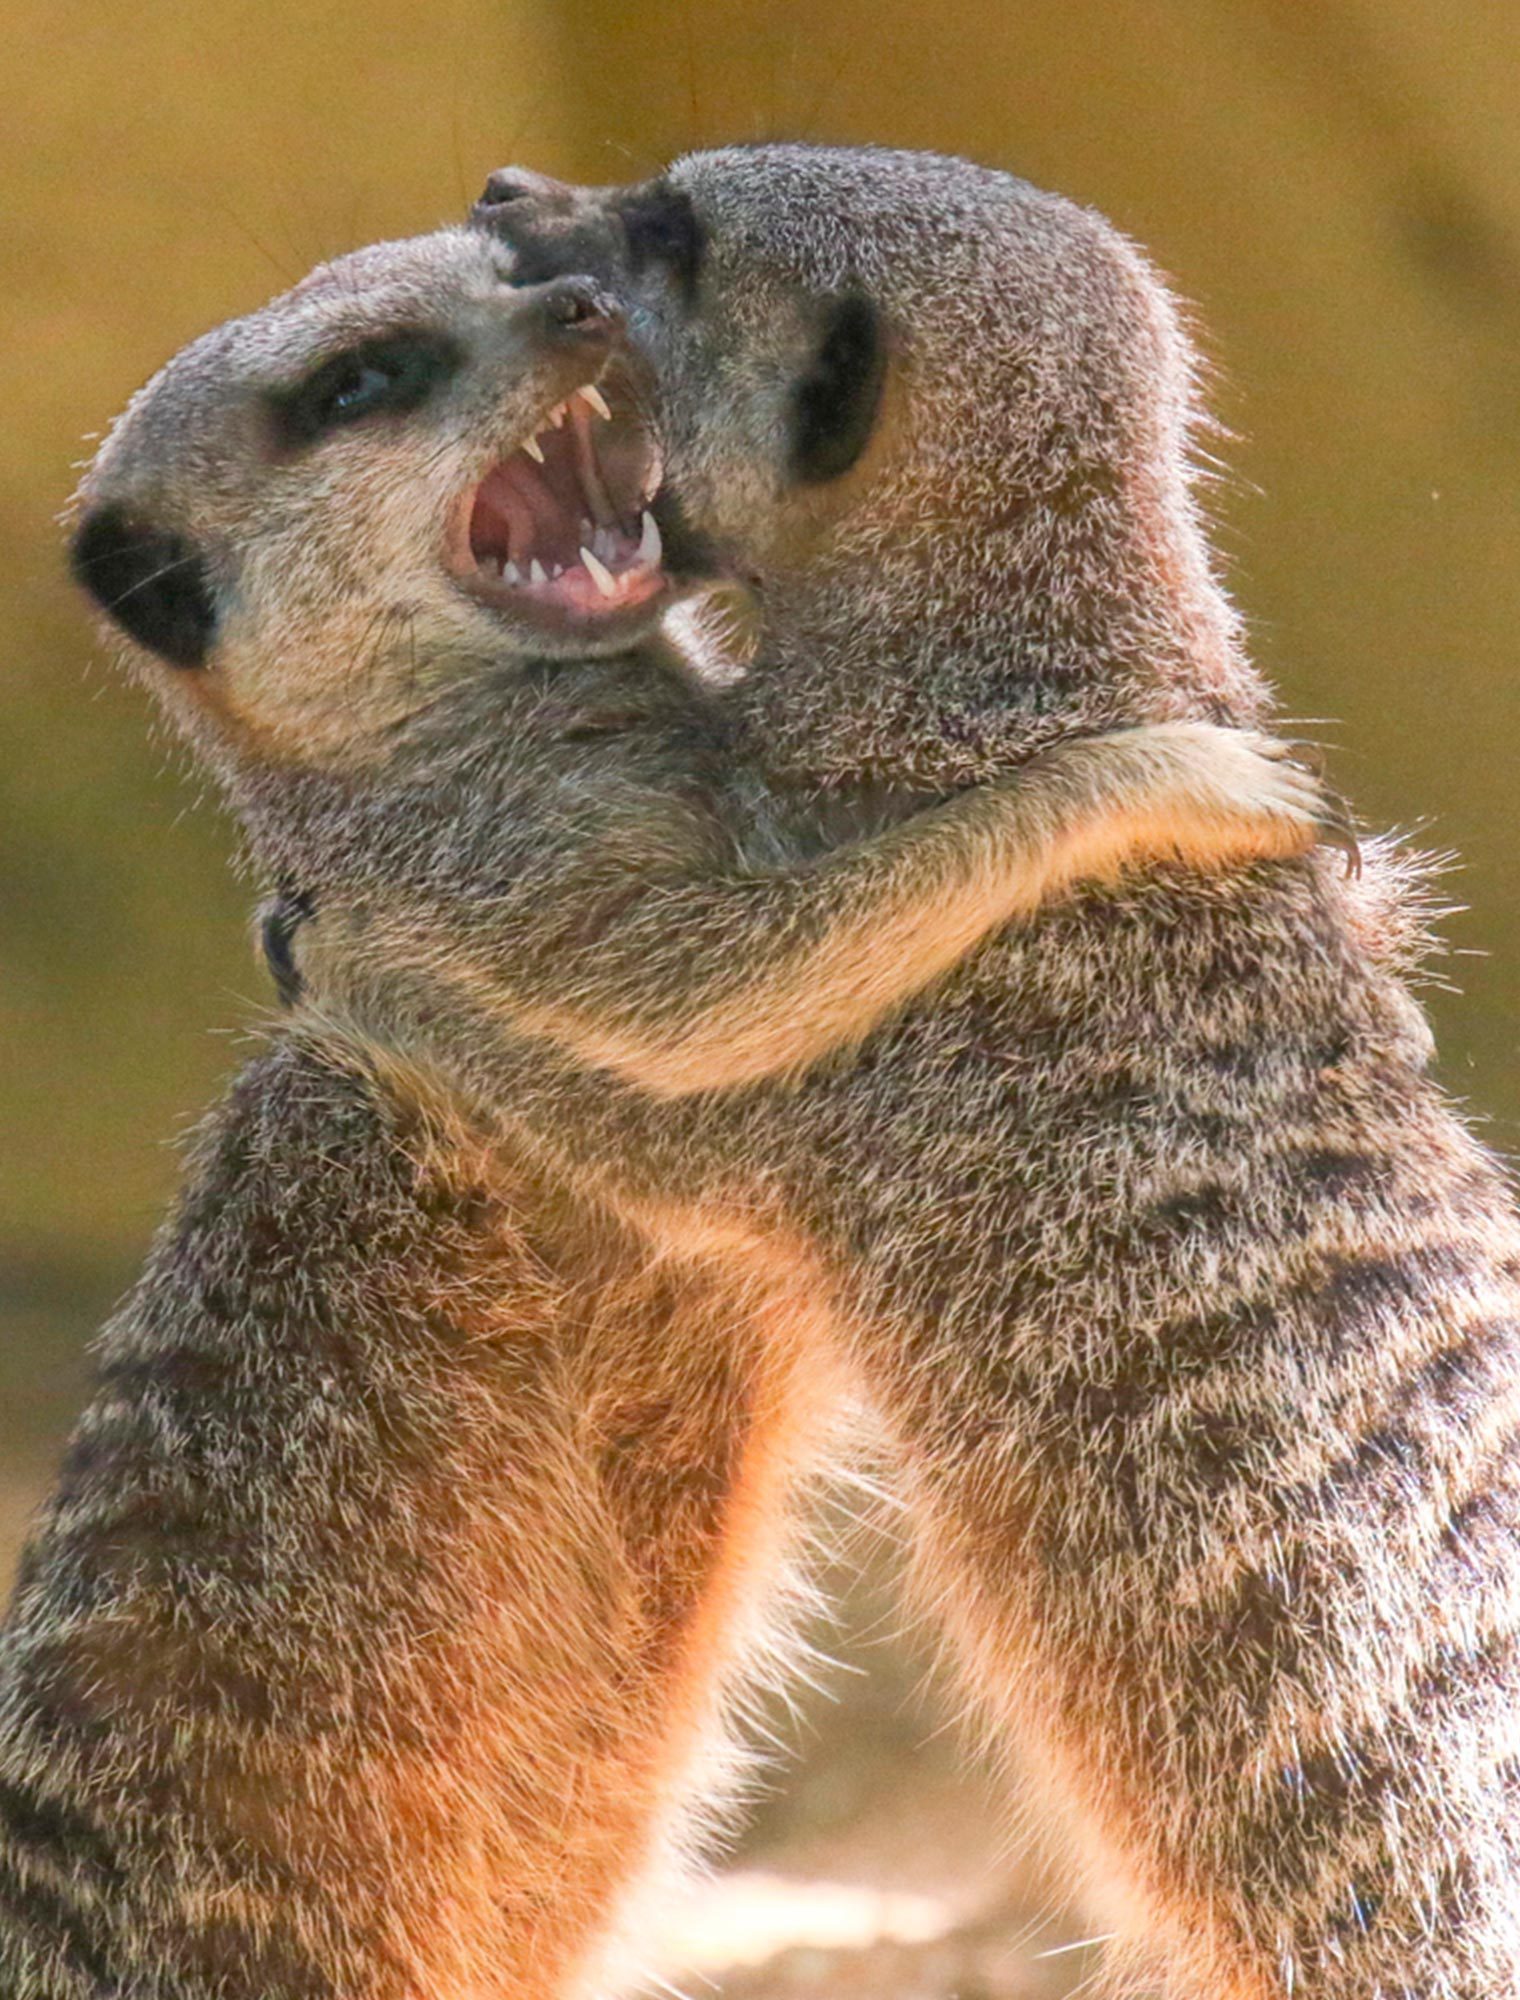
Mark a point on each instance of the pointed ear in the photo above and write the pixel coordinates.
(151, 581)
(836, 401)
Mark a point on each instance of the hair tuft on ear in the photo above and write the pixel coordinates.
(151, 581)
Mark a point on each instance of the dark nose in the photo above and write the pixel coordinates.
(513, 186)
(551, 228)
(580, 312)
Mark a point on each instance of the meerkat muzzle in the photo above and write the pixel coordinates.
(563, 522)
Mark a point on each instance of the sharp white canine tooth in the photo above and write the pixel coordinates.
(536, 571)
(534, 449)
(650, 546)
(592, 395)
(510, 573)
(601, 576)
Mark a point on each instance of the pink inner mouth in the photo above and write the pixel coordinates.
(563, 522)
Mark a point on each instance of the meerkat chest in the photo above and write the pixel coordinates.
(1108, 1100)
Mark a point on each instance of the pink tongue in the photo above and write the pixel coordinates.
(537, 520)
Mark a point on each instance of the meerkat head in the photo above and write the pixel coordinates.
(938, 418)
(407, 467)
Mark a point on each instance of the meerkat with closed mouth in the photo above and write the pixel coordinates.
(1194, 1306)
(417, 1530)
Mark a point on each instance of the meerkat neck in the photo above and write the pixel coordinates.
(964, 653)
(440, 785)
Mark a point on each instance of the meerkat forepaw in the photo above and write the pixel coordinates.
(1333, 817)
(1247, 778)
(1299, 782)
(1337, 828)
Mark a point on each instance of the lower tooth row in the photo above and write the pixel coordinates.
(649, 552)
(536, 573)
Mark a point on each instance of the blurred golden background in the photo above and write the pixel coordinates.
(1336, 187)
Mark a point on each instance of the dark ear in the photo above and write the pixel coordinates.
(836, 401)
(153, 582)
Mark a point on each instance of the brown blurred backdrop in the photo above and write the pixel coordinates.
(1335, 185)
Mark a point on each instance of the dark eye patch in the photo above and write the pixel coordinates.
(153, 582)
(834, 405)
(390, 375)
(662, 227)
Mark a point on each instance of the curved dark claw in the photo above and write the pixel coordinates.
(1303, 751)
(1338, 829)
(1337, 826)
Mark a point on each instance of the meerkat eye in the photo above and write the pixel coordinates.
(388, 376)
(834, 405)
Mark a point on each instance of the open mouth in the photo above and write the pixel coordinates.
(562, 527)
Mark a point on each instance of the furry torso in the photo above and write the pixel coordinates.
(1223, 1374)
(1196, 1311)
(1205, 1318)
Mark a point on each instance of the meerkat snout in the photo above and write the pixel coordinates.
(509, 184)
